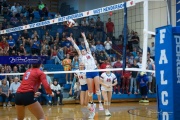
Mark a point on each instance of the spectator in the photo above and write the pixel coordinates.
(57, 15)
(45, 10)
(101, 58)
(126, 76)
(131, 59)
(56, 88)
(113, 61)
(118, 74)
(14, 9)
(14, 21)
(5, 47)
(54, 53)
(152, 51)
(92, 47)
(35, 34)
(24, 11)
(67, 67)
(21, 51)
(15, 36)
(44, 95)
(5, 94)
(24, 21)
(40, 8)
(110, 28)
(48, 37)
(99, 29)
(133, 78)
(82, 45)
(12, 46)
(75, 63)
(84, 22)
(4, 24)
(135, 41)
(92, 26)
(2, 77)
(99, 47)
(77, 90)
(108, 45)
(15, 70)
(35, 46)
(31, 12)
(14, 86)
(90, 39)
(150, 66)
(48, 78)
(25, 34)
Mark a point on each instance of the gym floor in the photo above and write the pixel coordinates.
(119, 111)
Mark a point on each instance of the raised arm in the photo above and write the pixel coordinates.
(74, 45)
(86, 42)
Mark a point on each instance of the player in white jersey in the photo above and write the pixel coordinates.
(107, 80)
(84, 88)
(92, 77)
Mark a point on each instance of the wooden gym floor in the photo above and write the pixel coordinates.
(119, 111)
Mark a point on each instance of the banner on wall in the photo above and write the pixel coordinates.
(168, 72)
(177, 12)
(73, 16)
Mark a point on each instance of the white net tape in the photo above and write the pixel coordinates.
(98, 70)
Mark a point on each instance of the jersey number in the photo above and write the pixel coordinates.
(27, 75)
(108, 80)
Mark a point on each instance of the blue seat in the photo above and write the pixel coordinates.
(50, 62)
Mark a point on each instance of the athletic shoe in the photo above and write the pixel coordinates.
(119, 93)
(107, 117)
(145, 101)
(91, 115)
(114, 92)
(91, 108)
(141, 101)
(101, 106)
(138, 91)
(4, 105)
(135, 93)
(150, 91)
(9, 105)
(107, 113)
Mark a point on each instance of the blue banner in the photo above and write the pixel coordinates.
(168, 72)
(176, 66)
(177, 12)
(22, 59)
(165, 72)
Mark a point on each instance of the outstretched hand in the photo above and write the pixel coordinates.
(69, 38)
(83, 34)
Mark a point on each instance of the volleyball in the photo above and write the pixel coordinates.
(70, 23)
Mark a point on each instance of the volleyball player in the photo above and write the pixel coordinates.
(25, 95)
(84, 88)
(92, 77)
(107, 80)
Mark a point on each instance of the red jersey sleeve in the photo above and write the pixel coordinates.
(45, 83)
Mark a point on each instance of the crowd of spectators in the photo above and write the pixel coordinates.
(57, 47)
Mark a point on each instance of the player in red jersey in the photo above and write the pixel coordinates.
(27, 93)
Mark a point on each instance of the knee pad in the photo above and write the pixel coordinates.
(106, 103)
(90, 94)
(98, 92)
